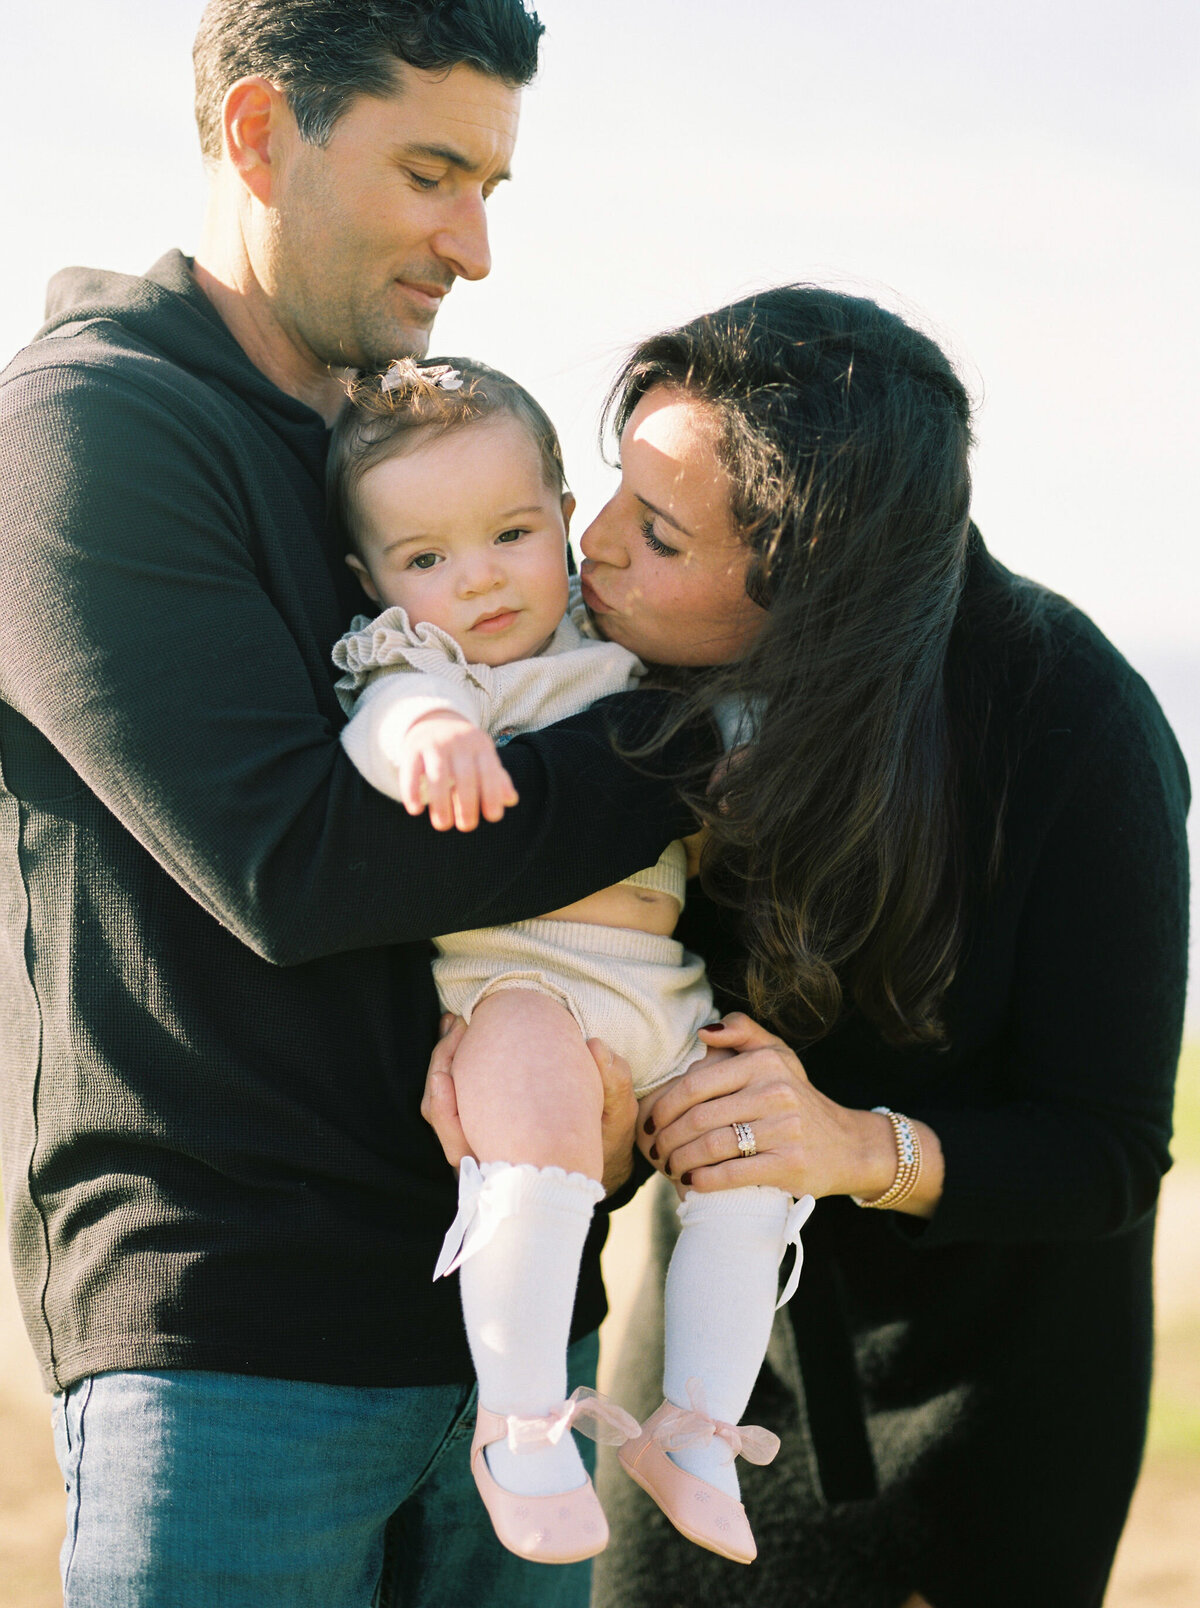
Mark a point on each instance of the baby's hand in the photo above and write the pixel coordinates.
(449, 764)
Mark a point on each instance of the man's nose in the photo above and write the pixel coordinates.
(462, 243)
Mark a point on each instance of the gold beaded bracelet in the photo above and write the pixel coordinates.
(908, 1162)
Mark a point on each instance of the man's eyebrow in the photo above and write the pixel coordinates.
(665, 517)
(453, 158)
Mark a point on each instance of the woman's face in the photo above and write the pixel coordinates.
(664, 571)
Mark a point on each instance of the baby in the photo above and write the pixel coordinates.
(447, 483)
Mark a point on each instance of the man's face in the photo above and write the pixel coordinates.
(365, 235)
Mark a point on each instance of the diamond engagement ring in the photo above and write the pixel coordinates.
(746, 1143)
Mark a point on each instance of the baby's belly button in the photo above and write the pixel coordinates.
(623, 907)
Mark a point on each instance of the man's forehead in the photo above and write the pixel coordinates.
(456, 114)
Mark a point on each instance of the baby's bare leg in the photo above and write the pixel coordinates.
(527, 1086)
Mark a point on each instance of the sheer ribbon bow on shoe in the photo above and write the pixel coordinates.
(683, 1428)
(586, 1410)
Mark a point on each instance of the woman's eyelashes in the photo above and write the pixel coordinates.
(653, 543)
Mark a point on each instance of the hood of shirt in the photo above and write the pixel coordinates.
(166, 311)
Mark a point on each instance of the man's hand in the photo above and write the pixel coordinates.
(439, 1106)
(618, 1119)
(448, 763)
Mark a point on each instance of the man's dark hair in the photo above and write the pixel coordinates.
(322, 53)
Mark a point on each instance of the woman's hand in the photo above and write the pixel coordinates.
(618, 1120)
(807, 1144)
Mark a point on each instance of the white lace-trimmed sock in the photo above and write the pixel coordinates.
(518, 1294)
(719, 1307)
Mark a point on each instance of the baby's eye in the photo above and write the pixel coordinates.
(511, 535)
(423, 561)
(653, 543)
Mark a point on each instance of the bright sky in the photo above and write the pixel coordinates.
(1020, 176)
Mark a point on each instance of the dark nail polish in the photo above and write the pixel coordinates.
(711, 1027)
(653, 1152)
(686, 1178)
(648, 1125)
(667, 1166)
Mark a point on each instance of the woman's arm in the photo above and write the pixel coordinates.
(1077, 1141)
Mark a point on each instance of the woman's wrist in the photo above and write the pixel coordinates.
(875, 1171)
(879, 1163)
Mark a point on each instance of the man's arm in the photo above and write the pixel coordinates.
(140, 640)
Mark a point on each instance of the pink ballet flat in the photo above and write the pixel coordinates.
(697, 1509)
(562, 1528)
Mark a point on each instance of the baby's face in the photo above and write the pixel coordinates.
(463, 532)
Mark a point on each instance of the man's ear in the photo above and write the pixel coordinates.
(364, 577)
(253, 114)
(568, 508)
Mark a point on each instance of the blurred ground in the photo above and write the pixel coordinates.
(1159, 1562)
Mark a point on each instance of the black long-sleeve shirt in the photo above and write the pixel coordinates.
(214, 971)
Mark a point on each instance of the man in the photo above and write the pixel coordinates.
(224, 1207)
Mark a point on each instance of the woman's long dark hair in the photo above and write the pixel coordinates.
(846, 435)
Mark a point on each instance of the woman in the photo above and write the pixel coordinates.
(947, 872)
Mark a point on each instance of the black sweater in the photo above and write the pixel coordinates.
(215, 997)
(964, 1402)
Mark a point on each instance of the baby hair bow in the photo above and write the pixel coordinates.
(585, 1410)
(796, 1219)
(443, 376)
(404, 371)
(681, 1429)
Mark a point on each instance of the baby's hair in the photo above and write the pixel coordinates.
(410, 403)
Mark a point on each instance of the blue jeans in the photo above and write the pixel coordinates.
(212, 1490)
